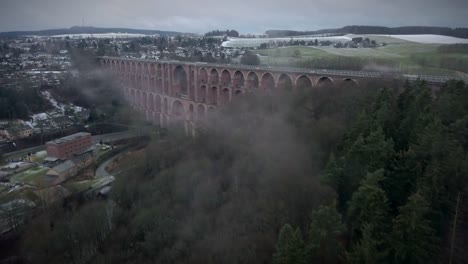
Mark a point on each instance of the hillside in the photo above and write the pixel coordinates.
(453, 32)
(88, 30)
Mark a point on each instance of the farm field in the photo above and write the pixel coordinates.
(399, 56)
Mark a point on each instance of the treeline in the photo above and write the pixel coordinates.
(454, 32)
(400, 174)
(19, 103)
(216, 33)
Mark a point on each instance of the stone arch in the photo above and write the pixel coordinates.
(225, 78)
(203, 75)
(178, 111)
(180, 80)
(350, 83)
(200, 111)
(237, 92)
(285, 82)
(225, 96)
(214, 76)
(303, 82)
(252, 80)
(152, 69)
(238, 79)
(324, 82)
(202, 96)
(268, 82)
(157, 103)
(213, 95)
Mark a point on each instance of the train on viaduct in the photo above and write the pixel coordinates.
(167, 92)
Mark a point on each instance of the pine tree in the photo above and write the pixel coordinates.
(414, 239)
(289, 247)
(325, 229)
(369, 206)
(368, 250)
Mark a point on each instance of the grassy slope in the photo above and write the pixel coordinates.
(409, 57)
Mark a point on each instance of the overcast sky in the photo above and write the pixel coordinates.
(247, 16)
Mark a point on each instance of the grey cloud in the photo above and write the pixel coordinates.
(245, 15)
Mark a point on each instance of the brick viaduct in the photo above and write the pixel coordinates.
(173, 91)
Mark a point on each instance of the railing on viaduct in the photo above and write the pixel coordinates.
(174, 91)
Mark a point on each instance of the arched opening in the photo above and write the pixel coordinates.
(151, 102)
(158, 104)
(252, 80)
(268, 82)
(303, 83)
(180, 81)
(165, 106)
(132, 98)
(203, 75)
(213, 95)
(192, 85)
(350, 83)
(224, 96)
(138, 98)
(152, 69)
(202, 94)
(159, 71)
(238, 92)
(226, 78)
(144, 99)
(178, 110)
(200, 112)
(325, 82)
(238, 79)
(285, 82)
(191, 112)
(138, 68)
(214, 76)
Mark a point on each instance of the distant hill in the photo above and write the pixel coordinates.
(88, 30)
(416, 30)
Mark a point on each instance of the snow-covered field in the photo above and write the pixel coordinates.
(254, 42)
(103, 35)
(429, 39)
(423, 39)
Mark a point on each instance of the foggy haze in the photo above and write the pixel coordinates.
(245, 16)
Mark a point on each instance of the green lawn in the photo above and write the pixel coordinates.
(33, 176)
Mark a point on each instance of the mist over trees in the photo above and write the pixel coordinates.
(333, 175)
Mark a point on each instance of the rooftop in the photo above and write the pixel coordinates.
(64, 166)
(68, 138)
